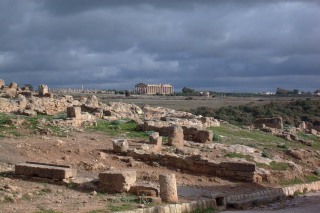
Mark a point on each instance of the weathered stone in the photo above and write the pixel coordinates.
(10, 92)
(92, 102)
(155, 139)
(205, 136)
(176, 137)
(313, 132)
(43, 90)
(239, 166)
(74, 112)
(13, 85)
(269, 122)
(45, 170)
(168, 188)
(117, 181)
(31, 113)
(2, 83)
(187, 151)
(5, 105)
(142, 190)
(22, 102)
(120, 146)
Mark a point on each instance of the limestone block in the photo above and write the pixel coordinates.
(117, 180)
(168, 188)
(22, 102)
(2, 83)
(13, 85)
(74, 112)
(155, 139)
(142, 190)
(43, 90)
(45, 170)
(205, 136)
(275, 122)
(120, 146)
(176, 137)
(239, 166)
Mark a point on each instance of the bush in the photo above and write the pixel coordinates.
(317, 172)
(265, 154)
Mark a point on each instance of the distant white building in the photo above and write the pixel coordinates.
(152, 89)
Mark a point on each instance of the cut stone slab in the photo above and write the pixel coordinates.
(117, 180)
(120, 146)
(45, 170)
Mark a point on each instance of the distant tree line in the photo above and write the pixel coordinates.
(293, 113)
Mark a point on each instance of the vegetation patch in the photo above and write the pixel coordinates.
(291, 182)
(293, 112)
(239, 155)
(207, 210)
(119, 128)
(279, 166)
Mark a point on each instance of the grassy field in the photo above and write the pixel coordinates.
(230, 134)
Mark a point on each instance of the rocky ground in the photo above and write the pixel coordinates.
(90, 153)
(80, 133)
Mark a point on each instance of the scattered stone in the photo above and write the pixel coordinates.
(117, 181)
(176, 137)
(168, 188)
(275, 122)
(120, 146)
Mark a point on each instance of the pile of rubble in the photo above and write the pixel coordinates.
(275, 126)
(87, 110)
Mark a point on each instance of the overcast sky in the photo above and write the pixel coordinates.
(219, 45)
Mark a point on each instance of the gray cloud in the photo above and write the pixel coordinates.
(218, 45)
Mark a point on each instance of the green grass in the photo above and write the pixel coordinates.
(230, 134)
(119, 128)
(8, 199)
(99, 211)
(312, 178)
(26, 197)
(47, 211)
(208, 210)
(279, 166)
(121, 207)
(238, 155)
(291, 182)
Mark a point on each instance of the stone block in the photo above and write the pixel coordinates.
(13, 85)
(74, 112)
(142, 190)
(155, 139)
(43, 90)
(239, 166)
(117, 181)
(120, 145)
(168, 188)
(176, 137)
(45, 170)
(205, 136)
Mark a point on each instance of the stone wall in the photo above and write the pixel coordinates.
(275, 122)
(190, 133)
(264, 196)
(183, 207)
(240, 171)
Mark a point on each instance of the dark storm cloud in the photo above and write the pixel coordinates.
(231, 45)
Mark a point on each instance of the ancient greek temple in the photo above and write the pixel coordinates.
(152, 89)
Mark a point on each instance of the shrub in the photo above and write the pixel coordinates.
(265, 154)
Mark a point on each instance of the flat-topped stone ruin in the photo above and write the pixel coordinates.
(43, 170)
